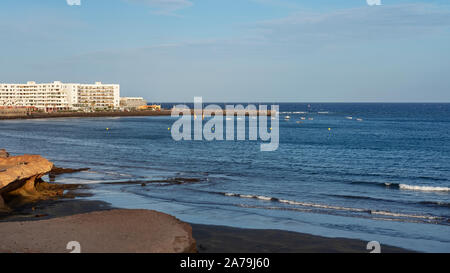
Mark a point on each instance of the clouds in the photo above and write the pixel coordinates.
(373, 2)
(364, 23)
(254, 49)
(164, 7)
(73, 2)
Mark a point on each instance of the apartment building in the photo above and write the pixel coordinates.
(58, 96)
(94, 96)
(44, 96)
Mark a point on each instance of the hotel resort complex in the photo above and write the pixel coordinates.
(58, 96)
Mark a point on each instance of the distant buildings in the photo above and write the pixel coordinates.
(154, 107)
(132, 103)
(59, 96)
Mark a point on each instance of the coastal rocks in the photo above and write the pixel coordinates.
(168, 181)
(110, 231)
(19, 174)
(3, 153)
(57, 170)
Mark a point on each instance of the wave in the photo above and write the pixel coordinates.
(260, 197)
(426, 203)
(423, 188)
(435, 203)
(335, 208)
(400, 186)
(403, 215)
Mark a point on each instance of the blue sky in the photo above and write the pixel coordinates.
(234, 50)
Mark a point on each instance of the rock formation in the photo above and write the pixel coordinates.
(3, 153)
(19, 174)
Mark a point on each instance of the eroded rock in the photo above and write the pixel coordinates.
(18, 176)
(3, 153)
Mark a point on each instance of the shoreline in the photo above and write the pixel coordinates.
(142, 113)
(40, 216)
(209, 238)
(88, 114)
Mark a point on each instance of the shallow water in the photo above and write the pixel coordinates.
(384, 177)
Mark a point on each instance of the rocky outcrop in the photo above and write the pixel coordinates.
(3, 153)
(111, 231)
(19, 174)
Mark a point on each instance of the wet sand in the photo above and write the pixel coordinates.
(222, 239)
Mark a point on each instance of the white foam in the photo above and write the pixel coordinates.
(393, 214)
(322, 206)
(422, 188)
(319, 206)
(246, 196)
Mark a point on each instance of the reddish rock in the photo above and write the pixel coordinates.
(18, 175)
(3, 153)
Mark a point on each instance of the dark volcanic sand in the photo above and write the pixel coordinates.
(222, 239)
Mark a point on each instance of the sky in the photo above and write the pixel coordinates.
(234, 50)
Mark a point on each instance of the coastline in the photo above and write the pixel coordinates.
(141, 113)
(37, 115)
(38, 216)
(209, 238)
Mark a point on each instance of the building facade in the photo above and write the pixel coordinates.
(59, 96)
(132, 102)
(42, 96)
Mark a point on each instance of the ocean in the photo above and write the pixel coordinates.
(371, 171)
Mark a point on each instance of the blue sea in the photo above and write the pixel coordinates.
(367, 171)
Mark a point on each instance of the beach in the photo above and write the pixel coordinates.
(41, 217)
(37, 219)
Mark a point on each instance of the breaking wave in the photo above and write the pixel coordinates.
(423, 188)
(405, 186)
(338, 208)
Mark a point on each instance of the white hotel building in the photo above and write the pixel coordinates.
(60, 96)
